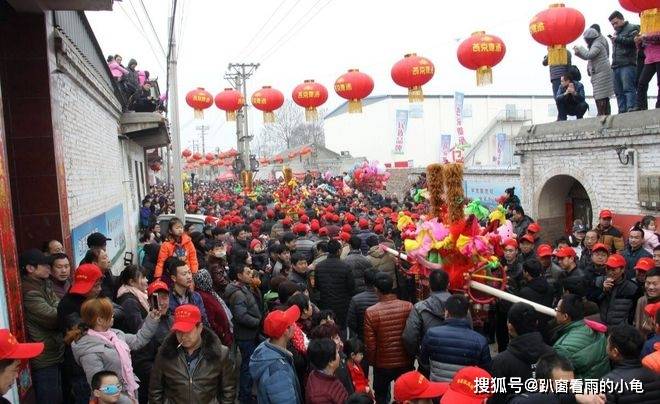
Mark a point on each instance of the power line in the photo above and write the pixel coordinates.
(261, 28)
(274, 27)
(143, 33)
(153, 29)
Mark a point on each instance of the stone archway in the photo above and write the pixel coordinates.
(561, 200)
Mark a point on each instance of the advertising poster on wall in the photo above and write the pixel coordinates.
(401, 129)
(488, 192)
(111, 224)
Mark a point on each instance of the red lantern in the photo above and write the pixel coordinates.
(292, 155)
(268, 100)
(278, 159)
(155, 167)
(649, 13)
(199, 99)
(481, 52)
(263, 161)
(354, 86)
(230, 101)
(413, 72)
(197, 156)
(310, 95)
(186, 153)
(556, 27)
(231, 153)
(306, 150)
(209, 157)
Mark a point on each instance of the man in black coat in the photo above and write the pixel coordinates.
(360, 303)
(334, 281)
(616, 297)
(536, 287)
(525, 348)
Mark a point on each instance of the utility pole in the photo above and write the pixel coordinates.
(237, 75)
(174, 122)
(202, 132)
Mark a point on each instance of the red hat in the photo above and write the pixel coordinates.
(565, 252)
(277, 321)
(300, 212)
(260, 208)
(615, 261)
(304, 219)
(345, 237)
(270, 213)
(315, 226)
(544, 250)
(600, 246)
(335, 218)
(651, 309)
(287, 221)
(462, 387)
(323, 231)
(414, 386)
(346, 228)
(350, 218)
(186, 317)
(255, 242)
(378, 229)
(300, 228)
(157, 285)
(527, 237)
(533, 228)
(645, 264)
(329, 208)
(510, 242)
(363, 223)
(379, 220)
(84, 279)
(605, 214)
(10, 348)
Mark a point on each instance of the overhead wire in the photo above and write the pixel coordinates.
(142, 32)
(275, 26)
(246, 47)
(153, 29)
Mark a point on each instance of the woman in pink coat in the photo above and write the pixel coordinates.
(117, 70)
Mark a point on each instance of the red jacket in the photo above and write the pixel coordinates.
(324, 389)
(383, 329)
(185, 251)
(217, 318)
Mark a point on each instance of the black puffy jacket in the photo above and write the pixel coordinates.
(358, 264)
(359, 304)
(618, 305)
(335, 283)
(625, 50)
(538, 291)
(245, 309)
(591, 273)
(628, 370)
(573, 281)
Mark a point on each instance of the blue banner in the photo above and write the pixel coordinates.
(487, 191)
(416, 111)
(111, 224)
(401, 128)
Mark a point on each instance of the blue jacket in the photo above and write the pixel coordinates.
(577, 98)
(274, 375)
(145, 215)
(449, 347)
(193, 298)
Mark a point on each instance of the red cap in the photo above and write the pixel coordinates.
(10, 348)
(605, 214)
(343, 236)
(378, 229)
(544, 250)
(299, 228)
(651, 309)
(533, 228)
(510, 242)
(323, 231)
(335, 218)
(616, 261)
(270, 213)
(260, 208)
(379, 220)
(277, 321)
(363, 223)
(414, 386)
(645, 264)
(186, 317)
(329, 208)
(304, 219)
(600, 246)
(346, 228)
(287, 221)
(157, 285)
(255, 242)
(350, 218)
(84, 279)
(315, 226)
(527, 237)
(462, 387)
(565, 252)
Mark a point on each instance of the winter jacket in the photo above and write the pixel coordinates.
(267, 226)
(299, 279)
(632, 256)
(383, 327)
(335, 283)
(358, 264)
(145, 216)
(383, 262)
(520, 228)
(364, 235)
(274, 376)
(585, 258)
(518, 360)
(245, 311)
(212, 380)
(322, 388)
(425, 314)
(651, 239)
(591, 273)
(553, 276)
(305, 246)
(626, 371)
(618, 305)
(217, 318)
(625, 50)
(641, 320)
(555, 74)
(359, 304)
(184, 251)
(573, 281)
(95, 355)
(585, 348)
(116, 69)
(611, 237)
(537, 290)
(192, 297)
(598, 67)
(40, 308)
(576, 98)
(448, 348)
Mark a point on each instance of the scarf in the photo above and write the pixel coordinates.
(141, 296)
(124, 352)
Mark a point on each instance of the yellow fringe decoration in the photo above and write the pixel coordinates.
(454, 191)
(557, 55)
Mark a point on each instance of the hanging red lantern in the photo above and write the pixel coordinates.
(354, 86)
(413, 72)
(268, 100)
(649, 13)
(186, 153)
(310, 95)
(199, 99)
(209, 156)
(481, 52)
(305, 150)
(231, 153)
(230, 101)
(155, 167)
(197, 156)
(264, 161)
(292, 155)
(278, 159)
(556, 27)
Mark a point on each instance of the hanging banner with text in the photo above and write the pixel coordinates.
(401, 128)
(500, 140)
(445, 147)
(458, 109)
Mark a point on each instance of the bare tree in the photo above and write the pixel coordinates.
(289, 130)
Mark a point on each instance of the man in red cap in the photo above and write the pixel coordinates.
(608, 234)
(11, 354)
(634, 251)
(617, 294)
(364, 233)
(572, 279)
(271, 364)
(595, 268)
(192, 365)
(643, 322)
(268, 224)
(551, 271)
(304, 244)
(526, 244)
(533, 229)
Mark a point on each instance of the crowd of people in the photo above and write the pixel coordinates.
(135, 85)
(635, 59)
(275, 303)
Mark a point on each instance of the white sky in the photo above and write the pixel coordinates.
(322, 39)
